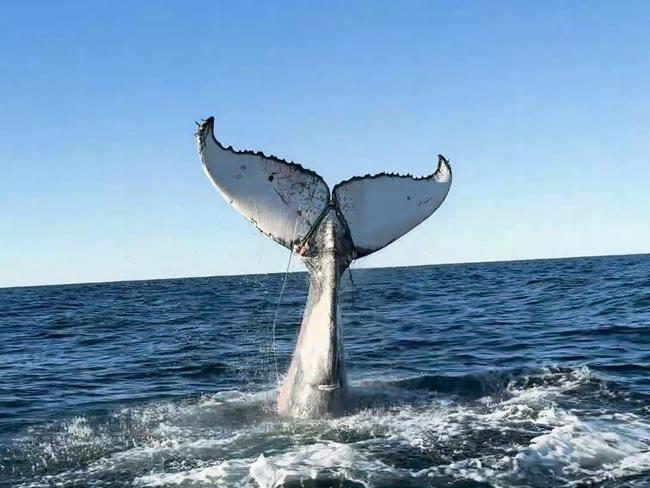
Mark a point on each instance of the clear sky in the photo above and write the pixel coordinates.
(543, 109)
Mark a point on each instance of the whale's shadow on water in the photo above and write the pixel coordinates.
(372, 394)
(498, 385)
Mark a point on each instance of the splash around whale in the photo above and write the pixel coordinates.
(328, 229)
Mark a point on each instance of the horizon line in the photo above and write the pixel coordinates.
(359, 268)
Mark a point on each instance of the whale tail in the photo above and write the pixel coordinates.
(287, 202)
(296, 208)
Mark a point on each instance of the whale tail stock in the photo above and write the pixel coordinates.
(287, 202)
(295, 207)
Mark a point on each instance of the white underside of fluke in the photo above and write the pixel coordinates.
(380, 209)
(285, 200)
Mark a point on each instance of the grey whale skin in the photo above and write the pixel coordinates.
(328, 229)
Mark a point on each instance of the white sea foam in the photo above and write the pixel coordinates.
(265, 474)
(230, 439)
(218, 474)
(336, 460)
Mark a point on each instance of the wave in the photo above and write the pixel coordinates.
(491, 429)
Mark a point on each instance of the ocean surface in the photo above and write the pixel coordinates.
(514, 374)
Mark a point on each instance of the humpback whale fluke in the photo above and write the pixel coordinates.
(294, 207)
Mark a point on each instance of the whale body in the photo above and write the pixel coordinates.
(328, 229)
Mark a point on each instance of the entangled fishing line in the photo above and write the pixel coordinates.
(277, 305)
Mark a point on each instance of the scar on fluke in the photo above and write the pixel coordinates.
(279, 194)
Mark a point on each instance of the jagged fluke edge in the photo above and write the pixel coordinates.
(435, 176)
(206, 127)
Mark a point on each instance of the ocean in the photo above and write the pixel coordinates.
(511, 374)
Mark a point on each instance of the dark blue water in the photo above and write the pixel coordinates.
(529, 374)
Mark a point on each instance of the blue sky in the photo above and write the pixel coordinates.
(543, 109)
